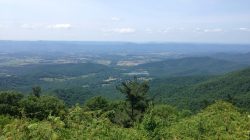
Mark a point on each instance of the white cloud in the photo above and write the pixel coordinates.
(120, 30)
(244, 29)
(172, 29)
(213, 30)
(60, 26)
(124, 30)
(209, 30)
(42, 26)
(115, 19)
(30, 26)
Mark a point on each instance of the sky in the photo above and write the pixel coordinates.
(202, 21)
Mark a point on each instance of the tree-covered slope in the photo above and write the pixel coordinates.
(54, 76)
(56, 70)
(243, 58)
(190, 66)
(233, 87)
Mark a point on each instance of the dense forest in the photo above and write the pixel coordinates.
(196, 93)
(136, 116)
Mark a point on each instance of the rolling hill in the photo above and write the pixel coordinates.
(233, 87)
(190, 66)
(243, 58)
(53, 75)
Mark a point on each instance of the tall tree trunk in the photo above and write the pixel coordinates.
(132, 111)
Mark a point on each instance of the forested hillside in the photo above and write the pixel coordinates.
(54, 76)
(233, 87)
(190, 66)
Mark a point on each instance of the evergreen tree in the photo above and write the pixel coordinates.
(36, 91)
(135, 92)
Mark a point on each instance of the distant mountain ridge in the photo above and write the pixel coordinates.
(118, 47)
(243, 58)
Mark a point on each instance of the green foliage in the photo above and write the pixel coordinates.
(40, 108)
(119, 114)
(219, 121)
(159, 117)
(36, 91)
(23, 129)
(9, 103)
(135, 92)
(73, 95)
(4, 120)
(97, 103)
(233, 87)
(46, 117)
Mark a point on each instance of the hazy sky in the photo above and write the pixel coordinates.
(224, 21)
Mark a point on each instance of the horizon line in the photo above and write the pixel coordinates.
(132, 42)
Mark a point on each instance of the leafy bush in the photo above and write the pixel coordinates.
(9, 103)
(40, 108)
(97, 103)
(219, 121)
